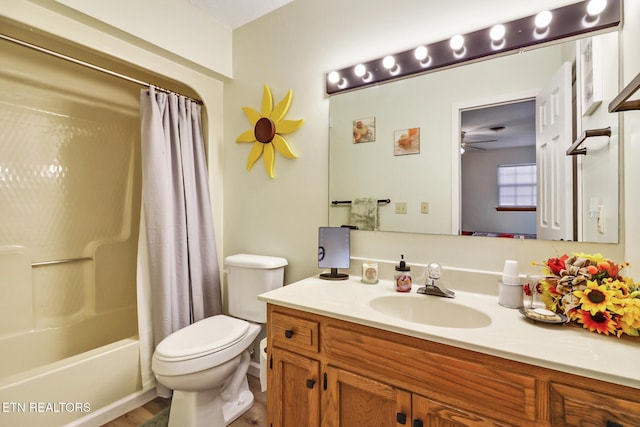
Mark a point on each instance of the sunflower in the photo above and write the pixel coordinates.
(600, 322)
(628, 321)
(550, 295)
(268, 128)
(596, 298)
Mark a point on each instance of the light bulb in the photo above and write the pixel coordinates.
(421, 53)
(497, 32)
(388, 62)
(596, 6)
(360, 70)
(456, 42)
(333, 77)
(543, 19)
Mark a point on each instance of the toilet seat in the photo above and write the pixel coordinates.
(202, 345)
(204, 337)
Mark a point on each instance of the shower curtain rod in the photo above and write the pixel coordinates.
(93, 67)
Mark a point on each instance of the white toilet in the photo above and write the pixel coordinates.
(205, 364)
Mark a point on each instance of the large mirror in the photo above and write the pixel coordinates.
(438, 146)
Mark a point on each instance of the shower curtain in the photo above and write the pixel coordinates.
(178, 272)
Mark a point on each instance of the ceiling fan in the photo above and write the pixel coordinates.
(465, 144)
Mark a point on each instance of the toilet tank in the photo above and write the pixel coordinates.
(247, 277)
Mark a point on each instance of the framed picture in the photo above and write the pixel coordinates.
(590, 76)
(364, 130)
(406, 141)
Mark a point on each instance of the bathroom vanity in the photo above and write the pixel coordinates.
(348, 354)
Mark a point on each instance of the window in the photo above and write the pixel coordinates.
(517, 186)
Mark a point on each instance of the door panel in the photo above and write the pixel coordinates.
(353, 400)
(554, 167)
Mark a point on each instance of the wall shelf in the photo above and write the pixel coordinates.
(621, 103)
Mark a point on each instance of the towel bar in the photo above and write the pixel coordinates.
(622, 102)
(574, 150)
(60, 261)
(348, 202)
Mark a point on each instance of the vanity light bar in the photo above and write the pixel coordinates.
(564, 22)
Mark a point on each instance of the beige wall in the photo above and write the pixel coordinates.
(176, 26)
(292, 49)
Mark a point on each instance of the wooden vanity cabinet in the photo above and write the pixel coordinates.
(293, 390)
(356, 400)
(571, 406)
(332, 373)
(293, 378)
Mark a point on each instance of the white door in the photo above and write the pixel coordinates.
(554, 168)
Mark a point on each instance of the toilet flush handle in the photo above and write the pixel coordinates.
(288, 333)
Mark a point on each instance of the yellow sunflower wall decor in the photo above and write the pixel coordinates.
(268, 127)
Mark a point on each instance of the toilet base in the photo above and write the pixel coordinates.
(196, 409)
(232, 410)
(218, 406)
(207, 409)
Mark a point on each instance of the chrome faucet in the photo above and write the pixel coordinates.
(432, 287)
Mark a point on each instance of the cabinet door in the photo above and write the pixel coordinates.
(353, 400)
(428, 413)
(575, 406)
(294, 390)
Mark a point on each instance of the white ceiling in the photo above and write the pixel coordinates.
(518, 120)
(236, 13)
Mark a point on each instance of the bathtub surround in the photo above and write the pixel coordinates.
(70, 197)
(177, 258)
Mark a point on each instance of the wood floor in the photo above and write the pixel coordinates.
(256, 416)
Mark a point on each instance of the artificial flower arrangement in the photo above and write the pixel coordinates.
(589, 290)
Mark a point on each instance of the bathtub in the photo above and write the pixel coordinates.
(81, 389)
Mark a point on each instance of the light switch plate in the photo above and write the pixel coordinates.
(424, 207)
(401, 207)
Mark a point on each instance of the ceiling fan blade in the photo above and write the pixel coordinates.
(481, 141)
(463, 139)
(465, 147)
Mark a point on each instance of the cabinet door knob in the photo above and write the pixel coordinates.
(311, 383)
(417, 422)
(401, 417)
(288, 333)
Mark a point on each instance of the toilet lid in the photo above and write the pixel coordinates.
(204, 337)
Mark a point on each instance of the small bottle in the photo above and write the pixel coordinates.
(402, 277)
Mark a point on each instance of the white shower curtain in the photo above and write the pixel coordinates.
(178, 272)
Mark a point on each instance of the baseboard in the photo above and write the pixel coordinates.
(254, 369)
(116, 409)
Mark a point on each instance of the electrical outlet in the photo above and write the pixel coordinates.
(424, 207)
(401, 207)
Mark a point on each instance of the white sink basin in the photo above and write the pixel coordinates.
(430, 310)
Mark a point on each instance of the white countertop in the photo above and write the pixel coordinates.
(510, 335)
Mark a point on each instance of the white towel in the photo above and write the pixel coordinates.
(364, 213)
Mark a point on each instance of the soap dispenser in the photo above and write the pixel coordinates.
(402, 277)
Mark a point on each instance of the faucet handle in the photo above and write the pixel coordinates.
(434, 270)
